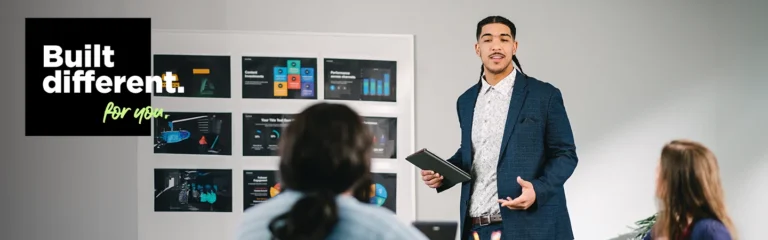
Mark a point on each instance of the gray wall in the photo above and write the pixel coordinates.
(634, 75)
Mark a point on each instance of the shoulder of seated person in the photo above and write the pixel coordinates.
(390, 225)
(367, 209)
(373, 213)
(709, 223)
(710, 226)
(271, 205)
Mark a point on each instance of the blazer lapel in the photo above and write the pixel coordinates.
(519, 92)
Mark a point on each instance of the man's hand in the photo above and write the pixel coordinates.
(432, 179)
(524, 201)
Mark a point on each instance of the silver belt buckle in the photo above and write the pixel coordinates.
(487, 216)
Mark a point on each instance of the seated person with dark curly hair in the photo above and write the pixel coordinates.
(325, 169)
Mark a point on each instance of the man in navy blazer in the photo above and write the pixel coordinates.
(517, 143)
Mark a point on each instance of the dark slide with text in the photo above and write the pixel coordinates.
(275, 77)
(262, 185)
(194, 133)
(201, 76)
(384, 132)
(259, 186)
(193, 190)
(384, 190)
(364, 80)
(261, 133)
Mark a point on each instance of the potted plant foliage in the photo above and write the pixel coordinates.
(643, 227)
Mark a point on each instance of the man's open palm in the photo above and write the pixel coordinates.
(524, 201)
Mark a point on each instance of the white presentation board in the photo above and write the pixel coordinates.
(217, 108)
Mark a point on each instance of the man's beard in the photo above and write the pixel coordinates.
(501, 70)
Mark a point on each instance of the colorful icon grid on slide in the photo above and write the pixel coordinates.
(294, 77)
(308, 82)
(281, 81)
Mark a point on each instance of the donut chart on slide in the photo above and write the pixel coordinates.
(378, 194)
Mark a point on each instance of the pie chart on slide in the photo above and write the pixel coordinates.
(378, 194)
(274, 190)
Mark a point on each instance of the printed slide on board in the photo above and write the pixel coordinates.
(262, 132)
(363, 80)
(277, 77)
(384, 190)
(193, 190)
(194, 133)
(201, 76)
(384, 132)
(259, 186)
(262, 185)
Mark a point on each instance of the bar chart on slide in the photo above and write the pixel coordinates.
(376, 82)
(361, 80)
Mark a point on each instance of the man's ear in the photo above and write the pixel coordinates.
(514, 48)
(477, 49)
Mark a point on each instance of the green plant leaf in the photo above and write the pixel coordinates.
(643, 226)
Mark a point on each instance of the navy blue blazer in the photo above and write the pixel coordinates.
(538, 146)
(705, 229)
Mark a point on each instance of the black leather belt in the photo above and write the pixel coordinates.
(486, 220)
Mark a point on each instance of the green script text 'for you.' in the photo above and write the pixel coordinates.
(145, 113)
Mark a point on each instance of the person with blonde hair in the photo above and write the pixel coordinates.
(691, 196)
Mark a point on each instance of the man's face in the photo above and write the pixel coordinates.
(496, 47)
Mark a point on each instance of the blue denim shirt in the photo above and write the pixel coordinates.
(356, 220)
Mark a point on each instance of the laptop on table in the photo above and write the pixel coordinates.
(438, 230)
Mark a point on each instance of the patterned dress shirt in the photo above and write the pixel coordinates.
(487, 131)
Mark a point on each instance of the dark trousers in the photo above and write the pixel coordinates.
(487, 232)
